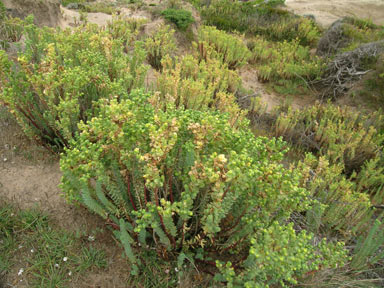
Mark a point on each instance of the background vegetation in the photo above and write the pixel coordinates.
(174, 168)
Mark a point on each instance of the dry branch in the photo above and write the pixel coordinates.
(348, 68)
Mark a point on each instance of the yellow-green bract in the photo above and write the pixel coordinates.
(56, 81)
(185, 180)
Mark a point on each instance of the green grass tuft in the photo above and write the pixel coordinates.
(43, 255)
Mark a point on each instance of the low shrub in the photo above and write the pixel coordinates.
(60, 75)
(160, 44)
(66, 2)
(181, 18)
(124, 28)
(230, 49)
(342, 210)
(278, 254)
(342, 135)
(369, 248)
(192, 84)
(348, 34)
(290, 28)
(231, 15)
(285, 64)
(351, 142)
(11, 29)
(3, 11)
(370, 180)
(373, 85)
(189, 185)
(174, 4)
(360, 31)
(260, 18)
(99, 7)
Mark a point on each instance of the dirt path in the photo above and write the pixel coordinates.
(328, 11)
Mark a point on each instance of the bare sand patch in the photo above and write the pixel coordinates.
(270, 98)
(328, 11)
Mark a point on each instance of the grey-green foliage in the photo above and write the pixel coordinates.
(370, 247)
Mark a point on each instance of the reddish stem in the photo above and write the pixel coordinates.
(236, 222)
(129, 193)
(182, 235)
(237, 263)
(234, 245)
(162, 221)
(170, 187)
(145, 195)
(28, 117)
(55, 130)
(225, 193)
(211, 263)
(114, 225)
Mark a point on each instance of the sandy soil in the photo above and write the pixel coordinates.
(71, 18)
(248, 75)
(328, 11)
(28, 185)
(46, 13)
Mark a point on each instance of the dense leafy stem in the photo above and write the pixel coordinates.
(55, 82)
(183, 180)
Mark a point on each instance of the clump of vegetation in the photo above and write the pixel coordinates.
(174, 4)
(50, 257)
(192, 186)
(373, 84)
(344, 211)
(288, 65)
(341, 207)
(274, 250)
(290, 28)
(370, 180)
(351, 143)
(229, 49)
(361, 31)
(11, 29)
(160, 44)
(99, 7)
(177, 173)
(345, 177)
(91, 6)
(234, 15)
(3, 10)
(337, 133)
(368, 251)
(67, 2)
(54, 84)
(260, 18)
(181, 18)
(124, 28)
(348, 34)
(192, 84)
